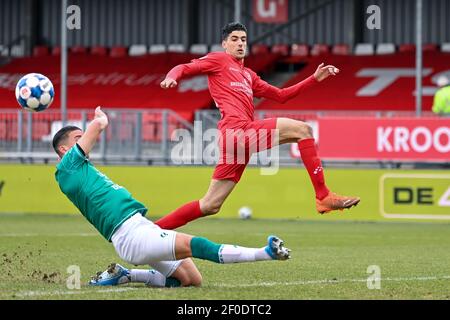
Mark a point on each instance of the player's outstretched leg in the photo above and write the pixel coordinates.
(297, 131)
(276, 250)
(210, 204)
(326, 200)
(184, 214)
(334, 201)
(205, 249)
(116, 274)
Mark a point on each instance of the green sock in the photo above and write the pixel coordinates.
(204, 249)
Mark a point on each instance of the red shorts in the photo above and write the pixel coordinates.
(238, 143)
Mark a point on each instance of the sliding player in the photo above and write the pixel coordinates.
(112, 210)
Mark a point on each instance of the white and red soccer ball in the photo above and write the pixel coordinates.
(34, 92)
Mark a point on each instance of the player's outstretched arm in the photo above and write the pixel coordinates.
(93, 131)
(323, 72)
(208, 64)
(168, 83)
(179, 72)
(264, 90)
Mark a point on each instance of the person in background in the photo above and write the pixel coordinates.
(441, 103)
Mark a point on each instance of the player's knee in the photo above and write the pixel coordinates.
(304, 130)
(191, 277)
(196, 279)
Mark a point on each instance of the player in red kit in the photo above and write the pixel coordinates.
(233, 87)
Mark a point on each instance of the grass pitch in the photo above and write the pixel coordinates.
(330, 260)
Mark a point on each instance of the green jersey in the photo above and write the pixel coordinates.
(104, 204)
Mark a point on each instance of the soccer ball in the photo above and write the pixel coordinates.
(245, 213)
(34, 92)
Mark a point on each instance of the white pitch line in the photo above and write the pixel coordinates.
(18, 235)
(328, 281)
(68, 292)
(225, 285)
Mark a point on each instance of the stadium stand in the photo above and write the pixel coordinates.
(56, 51)
(385, 48)
(445, 47)
(4, 50)
(137, 50)
(40, 51)
(78, 50)
(280, 49)
(17, 50)
(430, 47)
(134, 83)
(299, 50)
(364, 49)
(176, 47)
(320, 49)
(352, 90)
(199, 48)
(341, 49)
(157, 48)
(99, 51)
(407, 47)
(216, 47)
(299, 53)
(260, 48)
(118, 52)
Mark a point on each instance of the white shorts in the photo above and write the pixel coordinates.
(139, 241)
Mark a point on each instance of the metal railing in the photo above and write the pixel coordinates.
(144, 136)
(132, 135)
(210, 118)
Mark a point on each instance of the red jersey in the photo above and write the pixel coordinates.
(233, 86)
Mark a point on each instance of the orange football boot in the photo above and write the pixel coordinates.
(334, 201)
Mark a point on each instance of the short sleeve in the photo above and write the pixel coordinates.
(73, 158)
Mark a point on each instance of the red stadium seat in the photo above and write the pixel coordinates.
(151, 127)
(341, 49)
(56, 51)
(118, 52)
(281, 49)
(3, 131)
(148, 132)
(319, 49)
(299, 53)
(40, 129)
(78, 49)
(40, 51)
(13, 128)
(412, 47)
(430, 47)
(299, 50)
(407, 47)
(259, 48)
(99, 51)
(126, 132)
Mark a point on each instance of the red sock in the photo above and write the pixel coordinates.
(184, 214)
(314, 166)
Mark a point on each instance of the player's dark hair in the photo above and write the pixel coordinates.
(61, 136)
(230, 27)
